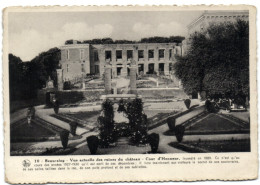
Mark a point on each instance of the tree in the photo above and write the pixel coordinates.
(217, 60)
(171, 39)
(16, 77)
(43, 66)
(26, 78)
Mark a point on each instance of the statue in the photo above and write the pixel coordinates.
(49, 83)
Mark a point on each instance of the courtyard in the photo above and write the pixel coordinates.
(204, 132)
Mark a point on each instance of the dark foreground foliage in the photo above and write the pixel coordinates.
(217, 61)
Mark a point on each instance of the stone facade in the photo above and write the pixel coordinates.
(81, 59)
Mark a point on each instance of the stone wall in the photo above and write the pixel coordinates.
(162, 93)
(72, 96)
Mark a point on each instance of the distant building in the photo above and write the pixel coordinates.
(212, 17)
(81, 59)
(209, 17)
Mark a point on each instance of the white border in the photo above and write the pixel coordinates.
(6, 3)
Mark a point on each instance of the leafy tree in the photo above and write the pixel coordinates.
(123, 42)
(45, 65)
(217, 60)
(171, 39)
(107, 41)
(26, 78)
(67, 42)
(17, 73)
(177, 39)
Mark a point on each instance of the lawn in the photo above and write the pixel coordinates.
(85, 115)
(151, 82)
(214, 123)
(33, 132)
(85, 119)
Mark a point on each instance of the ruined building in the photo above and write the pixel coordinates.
(83, 59)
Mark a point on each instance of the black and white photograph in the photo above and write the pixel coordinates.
(129, 82)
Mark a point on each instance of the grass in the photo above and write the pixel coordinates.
(85, 115)
(214, 124)
(85, 119)
(34, 131)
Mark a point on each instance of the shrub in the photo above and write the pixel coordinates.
(92, 144)
(187, 103)
(64, 137)
(73, 128)
(122, 129)
(67, 85)
(56, 106)
(153, 140)
(171, 123)
(137, 121)
(107, 132)
(209, 106)
(139, 135)
(179, 132)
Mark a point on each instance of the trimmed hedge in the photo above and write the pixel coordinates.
(171, 123)
(73, 127)
(93, 142)
(187, 103)
(64, 137)
(153, 140)
(179, 132)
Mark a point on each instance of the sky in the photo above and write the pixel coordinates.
(30, 33)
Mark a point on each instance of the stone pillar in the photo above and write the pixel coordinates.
(114, 70)
(156, 54)
(60, 79)
(166, 68)
(124, 55)
(180, 85)
(135, 54)
(133, 69)
(102, 62)
(145, 67)
(83, 82)
(113, 55)
(146, 55)
(156, 67)
(108, 79)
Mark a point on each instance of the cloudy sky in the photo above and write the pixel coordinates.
(31, 33)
